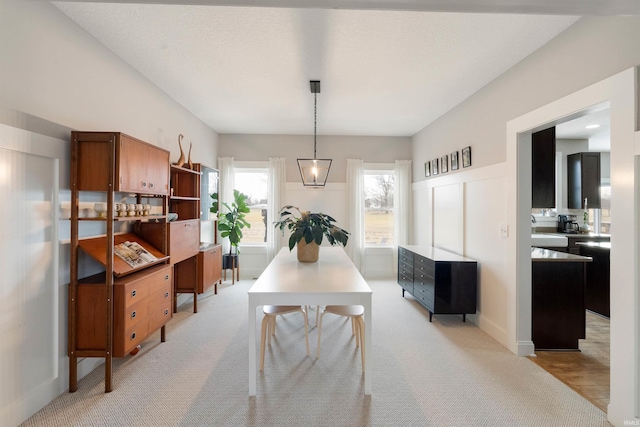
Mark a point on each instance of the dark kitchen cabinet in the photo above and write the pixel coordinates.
(543, 168)
(558, 317)
(583, 180)
(597, 286)
(443, 282)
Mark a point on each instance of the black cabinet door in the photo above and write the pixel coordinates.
(583, 180)
(543, 169)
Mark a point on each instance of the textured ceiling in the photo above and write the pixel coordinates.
(247, 69)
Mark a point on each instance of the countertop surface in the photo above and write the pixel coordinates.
(436, 254)
(546, 255)
(598, 245)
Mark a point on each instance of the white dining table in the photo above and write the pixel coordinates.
(333, 280)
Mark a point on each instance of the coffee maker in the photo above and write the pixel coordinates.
(567, 224)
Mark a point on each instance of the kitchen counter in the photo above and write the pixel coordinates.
(548, 255)
(557, 294)
(549, 240)
(596, 245)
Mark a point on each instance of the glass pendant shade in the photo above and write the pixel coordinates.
(314, 172)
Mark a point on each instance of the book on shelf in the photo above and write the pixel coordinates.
(133, 254)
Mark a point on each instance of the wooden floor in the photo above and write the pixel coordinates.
(585, 371)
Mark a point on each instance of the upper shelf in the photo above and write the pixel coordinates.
(180, 169)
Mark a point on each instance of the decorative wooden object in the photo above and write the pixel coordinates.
(180, 161)
(112, 312)
(189, 162)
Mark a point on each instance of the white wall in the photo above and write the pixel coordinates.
(468, 208)
(69, 78)
(332, 200)
(54, 77)
(371, 149)
(592, 50)
(378, 262)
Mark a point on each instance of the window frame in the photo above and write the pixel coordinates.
(378, 169)
(253, 167)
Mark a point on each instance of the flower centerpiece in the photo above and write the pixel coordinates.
(308, 230)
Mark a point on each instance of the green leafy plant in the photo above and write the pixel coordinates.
(310, 227)
(231, 223)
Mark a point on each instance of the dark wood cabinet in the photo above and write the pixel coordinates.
(597, 286)
(543, 168)
(583, 180)
(558, 312)
(443, 282)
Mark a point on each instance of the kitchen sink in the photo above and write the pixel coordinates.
(549, 240)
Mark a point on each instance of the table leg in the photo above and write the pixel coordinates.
(252, 348)
(368, 347)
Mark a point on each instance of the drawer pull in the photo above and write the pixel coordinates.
(133, 336)
(133, 293)
(166, 312)
(166, 277)
(151, 185)
(133, 314)
(144, 184)
(166, 294)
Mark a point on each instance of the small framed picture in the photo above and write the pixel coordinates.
(466, 157)
(427, 168)
(434, 167)
(454, 161)
(444, 163)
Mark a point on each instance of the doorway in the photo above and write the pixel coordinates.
(620, 90)
(586, 371)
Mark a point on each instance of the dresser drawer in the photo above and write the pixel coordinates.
(160, 316)
(134, 313)
(184, 239)
(132, 336)
(423, 264)
(405, 256)
(162, 290)
(422, 294)
(130, 289)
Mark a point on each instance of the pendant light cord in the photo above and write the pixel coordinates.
(315, 115)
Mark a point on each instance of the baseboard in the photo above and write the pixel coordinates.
(18, 411)
(525, 348)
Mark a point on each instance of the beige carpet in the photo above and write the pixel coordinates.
(445, 373)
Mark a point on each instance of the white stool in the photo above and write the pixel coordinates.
(356, 313)
(269, 325)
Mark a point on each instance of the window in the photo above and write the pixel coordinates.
(253, 183)
(378, 207)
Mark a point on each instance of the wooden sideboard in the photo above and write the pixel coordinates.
(443, 282)
(209, 267)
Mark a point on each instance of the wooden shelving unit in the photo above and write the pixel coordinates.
(110, 313)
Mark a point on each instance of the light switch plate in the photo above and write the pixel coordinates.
(504, 231)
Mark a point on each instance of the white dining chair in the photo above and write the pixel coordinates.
(356, 313)
(269, 325)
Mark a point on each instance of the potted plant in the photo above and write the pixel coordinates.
(230, 224)
(308, 230)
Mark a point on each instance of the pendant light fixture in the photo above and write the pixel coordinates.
(314, 171)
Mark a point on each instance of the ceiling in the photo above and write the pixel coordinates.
(246, 69)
